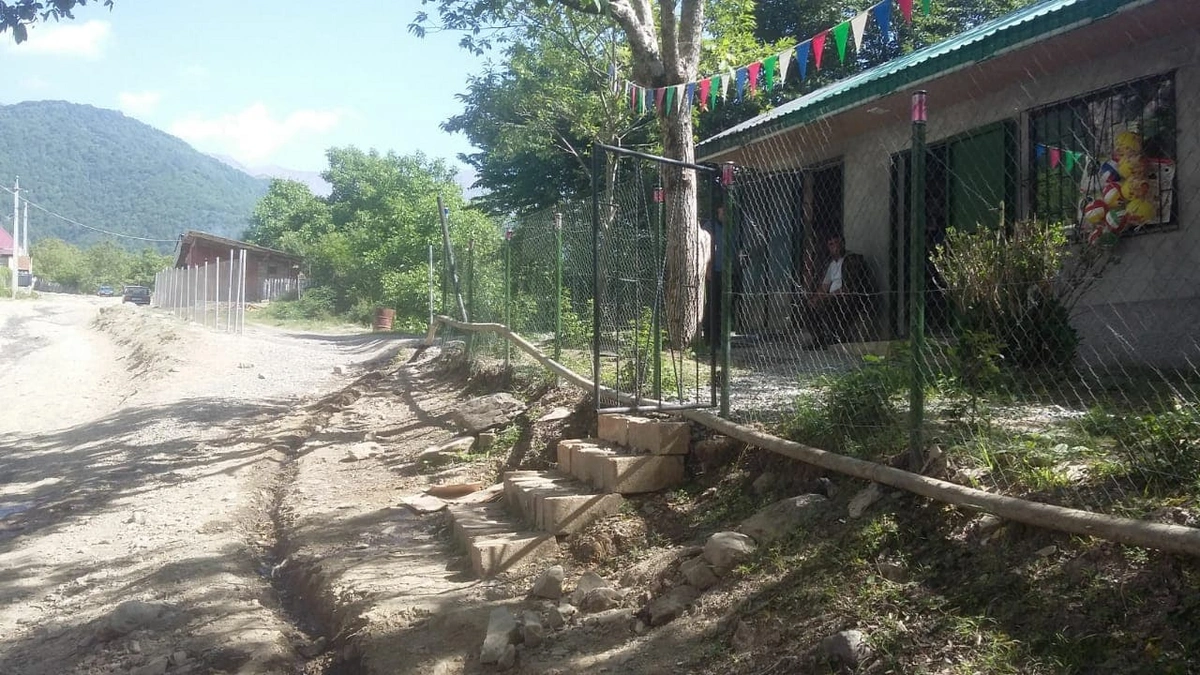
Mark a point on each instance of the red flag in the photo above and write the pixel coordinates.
(658, 98)
(818, 43)
(1055, 157)
(705, 88)
(906, 10)
(753, 69)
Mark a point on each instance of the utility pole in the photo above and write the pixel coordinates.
(16, 233)
(25, 231)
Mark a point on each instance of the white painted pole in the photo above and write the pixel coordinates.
(229, 305)
(242, 304)
(431, 284)
(205, 315)
(217, 295)
(16, 233)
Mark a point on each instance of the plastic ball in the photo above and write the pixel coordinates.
(1109, 173)
(1132, 166)
(1113, 197)
(1094, 212)
(1115, 221)
(1127, 143)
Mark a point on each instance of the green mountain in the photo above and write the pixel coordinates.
(103, 169)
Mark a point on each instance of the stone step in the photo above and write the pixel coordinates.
(657, 437)
(609, 468)
(494, 542)
(555, 503)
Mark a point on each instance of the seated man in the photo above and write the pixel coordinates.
(843, 295)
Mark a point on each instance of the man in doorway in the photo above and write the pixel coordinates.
(841, 296)
(713, 279)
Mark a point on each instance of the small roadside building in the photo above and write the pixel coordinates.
(1029, 115)
(270, 274)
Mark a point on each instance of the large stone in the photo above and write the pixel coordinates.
(133, 615)
(614, 427)
(724, 550)
(502, 631)
(675, 602)
(783, 517)
(532, 630)
(485, 412)
(600, 599)
(864, 499)
(549, 583)
(589, 582)
(698, 573)
(848, 647)
(446, 452)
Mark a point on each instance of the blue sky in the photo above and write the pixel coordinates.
(265, 82)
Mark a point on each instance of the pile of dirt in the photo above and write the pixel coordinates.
(145, 339)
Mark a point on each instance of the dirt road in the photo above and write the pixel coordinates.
(137, 459)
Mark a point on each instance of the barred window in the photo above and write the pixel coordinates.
(1105, 162)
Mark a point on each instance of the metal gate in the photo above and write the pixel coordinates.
(630, 352)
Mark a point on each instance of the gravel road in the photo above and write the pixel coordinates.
(135, 468)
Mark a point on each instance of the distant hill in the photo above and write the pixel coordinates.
(312, 179)
(104, 169)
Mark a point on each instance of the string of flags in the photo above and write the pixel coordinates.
(1068, 158)
(771, 72)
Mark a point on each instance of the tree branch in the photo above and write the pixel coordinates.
(643, 43)
(691, 28)
(670, 48)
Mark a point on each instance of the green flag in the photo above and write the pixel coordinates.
(770, 65)
(925, 7)
(670, 101)
(841, 34)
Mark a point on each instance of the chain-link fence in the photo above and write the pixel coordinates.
(1005, 291)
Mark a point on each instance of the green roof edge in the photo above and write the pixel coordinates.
(988, 46)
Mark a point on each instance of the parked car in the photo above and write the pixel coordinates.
(105, 291)
(138, 295)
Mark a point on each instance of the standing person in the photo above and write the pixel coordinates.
(713, 279)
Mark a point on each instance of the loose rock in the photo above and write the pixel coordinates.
(555, 415)
(893, 571)
(864, 499)
(133, 615)
(555, 618)
(485, 412)
(671, 605)
(783, 517)
(179, 658)
(501, 632)
(587, 583)
(156, 666)
(743, 637)
(723, 550)
(532, 631)
(484, 441)
(508, 659)
(848, 647)
(763, 483)
(698, 573)
(600, 599)
(549, 583)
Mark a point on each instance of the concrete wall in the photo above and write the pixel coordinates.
(1157, 281)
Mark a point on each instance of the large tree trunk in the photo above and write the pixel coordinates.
(686, 263)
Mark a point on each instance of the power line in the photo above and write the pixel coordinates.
(86, 227)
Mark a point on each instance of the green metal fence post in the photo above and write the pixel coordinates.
(558, 287)
(916, 281)
(656, 316)
(728, 255)
(507, 288)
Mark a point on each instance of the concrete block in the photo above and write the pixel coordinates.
(614, 427)
(587, 463)
(510, 551)
(566, 447)
(660, 437)
(568, 514)
(633, 474)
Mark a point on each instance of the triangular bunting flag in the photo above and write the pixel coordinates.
(818, 45)
(688, 94)
(841, 33)
(858, 25)
(705, 89)
(1040, 151)
(883, 17)
(802, 59)
(1071, 158)
(1055, 157)
(726, 80)
(770, 65)
(752, 72)
(678, 95)
(741, 83)
(712, 94)
(925, 7)
(784, 59)
(906, 10)
(632, 89)
(670, 101)
(658, 97)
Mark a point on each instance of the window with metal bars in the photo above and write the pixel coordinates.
(1105, 162)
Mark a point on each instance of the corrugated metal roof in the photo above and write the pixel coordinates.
(977, 44)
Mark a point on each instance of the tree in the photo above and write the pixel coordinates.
(16, 15)
(664, 49)
(288, 217)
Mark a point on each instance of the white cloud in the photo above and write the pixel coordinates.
(87, 39)
(253, 134)
(139, 103)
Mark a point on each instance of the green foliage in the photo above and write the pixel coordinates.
(316, 304)
(637, 357)
(856, 412)
(85, 270)
(1002, 284)
(16, 15)
(576, 328)
(109, 171)
(1164, 447)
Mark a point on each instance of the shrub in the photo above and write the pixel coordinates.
(857, 412)
(1007, 283)
(1164, 446)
